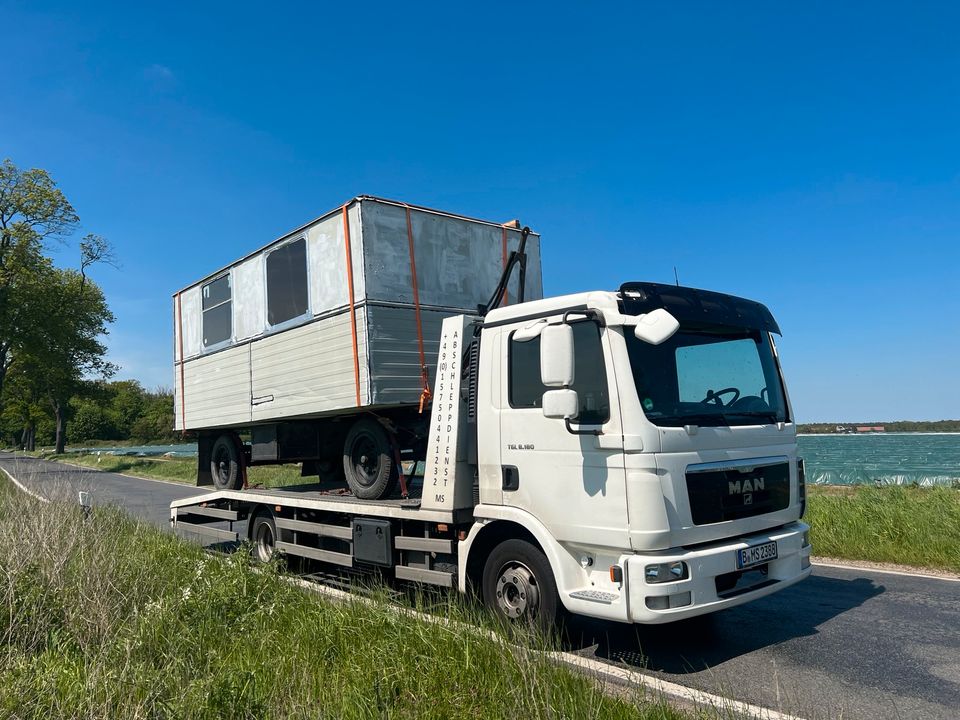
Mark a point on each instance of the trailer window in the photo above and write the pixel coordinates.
(590, 376)
(287, 282)
(217, 320)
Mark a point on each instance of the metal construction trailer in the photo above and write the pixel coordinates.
(296, 342)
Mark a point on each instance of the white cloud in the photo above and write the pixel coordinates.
(160, 77)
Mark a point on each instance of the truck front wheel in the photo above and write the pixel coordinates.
(518, 584)
(225, 462)
(368, 460)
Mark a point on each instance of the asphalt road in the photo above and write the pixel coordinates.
(845, 643)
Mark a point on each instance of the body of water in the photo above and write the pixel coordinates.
(179, 450)
(884, 458)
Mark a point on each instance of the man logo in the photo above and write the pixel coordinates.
(740, 487)
(748, 498)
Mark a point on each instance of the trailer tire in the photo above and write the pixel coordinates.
(368, 460)
(263, 535)
(518, 585)
(225, 459)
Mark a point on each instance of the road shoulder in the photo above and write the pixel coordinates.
(889, 568)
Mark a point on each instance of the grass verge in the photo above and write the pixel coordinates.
(106, 617)
(903, 525)
(177, 469)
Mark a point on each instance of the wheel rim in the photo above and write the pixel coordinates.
(365, 457)
(517, 591)
(222, 462)
(263, 541)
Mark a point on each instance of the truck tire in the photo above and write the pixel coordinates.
(368, 460)
(518, 585)
(263, 535)
(225, 462)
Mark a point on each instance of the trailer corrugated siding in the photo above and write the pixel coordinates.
(309, 369)
(306, 368)
(218, 388)
(394, 354)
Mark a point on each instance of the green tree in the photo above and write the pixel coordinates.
(156, 421)
(51, 319)
(68, 348)
(24, 412)
(127, 403)
(33, 211)
(89, 421)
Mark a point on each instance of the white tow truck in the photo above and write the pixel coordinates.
(624, 455)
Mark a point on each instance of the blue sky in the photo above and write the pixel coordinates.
(807, 157)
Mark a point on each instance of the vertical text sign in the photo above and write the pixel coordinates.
(446, 481)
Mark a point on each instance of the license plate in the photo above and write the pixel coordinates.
(756, 555)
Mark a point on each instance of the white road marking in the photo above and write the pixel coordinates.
(22, 487)
(669, 689)
(656, 686)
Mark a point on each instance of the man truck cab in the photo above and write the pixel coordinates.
(647, 436)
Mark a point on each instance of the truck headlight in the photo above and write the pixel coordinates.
(666, 572)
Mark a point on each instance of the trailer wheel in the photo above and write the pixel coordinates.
(518, 585)
(263, 535)
(368, 461)
(225, 463)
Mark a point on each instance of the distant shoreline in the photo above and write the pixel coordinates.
(936, 427)
(865, 434)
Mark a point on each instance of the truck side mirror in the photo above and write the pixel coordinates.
(557, 371)
(556, 356)
(561, 404)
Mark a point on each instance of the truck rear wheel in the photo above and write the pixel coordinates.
(368, 460)
(518, 585)
(225, 463)
(263, 535)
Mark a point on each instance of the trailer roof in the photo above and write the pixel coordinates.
(301, 228)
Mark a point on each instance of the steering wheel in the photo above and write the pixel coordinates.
(714, 396)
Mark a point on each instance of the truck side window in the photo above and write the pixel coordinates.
(287, 282)
(590, 376)
(217, 319)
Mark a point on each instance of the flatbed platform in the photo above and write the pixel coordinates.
(332, 497)
(338, 492)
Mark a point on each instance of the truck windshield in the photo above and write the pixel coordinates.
(712, 375)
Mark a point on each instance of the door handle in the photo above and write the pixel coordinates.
(511, 477)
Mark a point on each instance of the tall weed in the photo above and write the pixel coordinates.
(103, 617)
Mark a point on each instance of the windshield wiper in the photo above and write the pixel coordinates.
(769, 414)
(702, 419)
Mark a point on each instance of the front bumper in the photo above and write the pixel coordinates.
(707, 563)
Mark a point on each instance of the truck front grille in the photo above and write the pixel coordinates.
(739, 491)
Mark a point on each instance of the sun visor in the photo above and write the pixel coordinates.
(696, 307)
